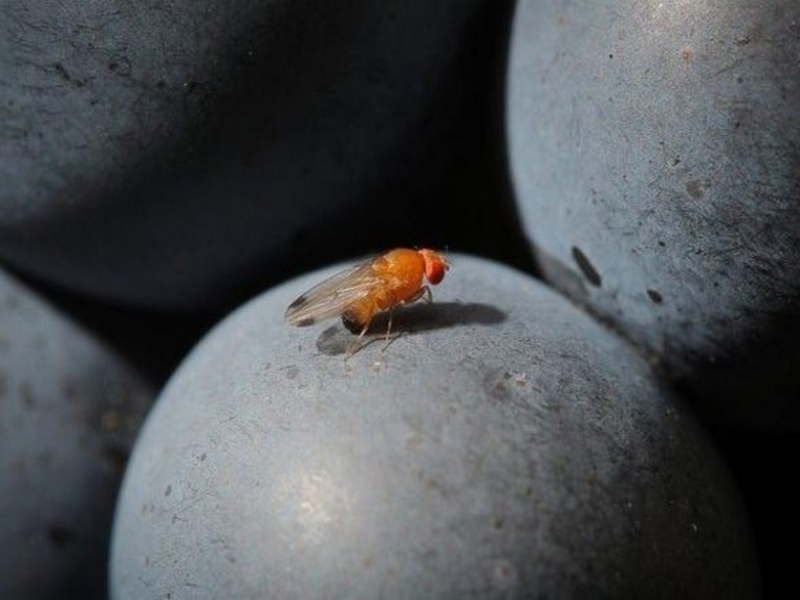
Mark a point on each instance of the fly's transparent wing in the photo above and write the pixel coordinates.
(332, 297)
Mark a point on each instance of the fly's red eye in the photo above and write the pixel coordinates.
(434, 271)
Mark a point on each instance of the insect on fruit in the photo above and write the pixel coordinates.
(359, 293)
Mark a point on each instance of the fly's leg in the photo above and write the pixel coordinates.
(424, 292)
(352, 320)
(388, 327)
(388, 339)
(357, 345)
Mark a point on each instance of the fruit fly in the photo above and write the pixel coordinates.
(359, 293)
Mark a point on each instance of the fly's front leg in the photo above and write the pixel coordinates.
(424, 292)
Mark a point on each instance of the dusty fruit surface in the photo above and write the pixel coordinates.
(654, 157)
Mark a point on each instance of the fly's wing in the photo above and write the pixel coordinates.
(332, 297)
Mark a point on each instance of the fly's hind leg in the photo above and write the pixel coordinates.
(387, 338)
(354, 325)
(357, 344)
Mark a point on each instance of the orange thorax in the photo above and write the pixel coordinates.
(401, 271)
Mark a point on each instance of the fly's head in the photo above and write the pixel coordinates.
(436, 265)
